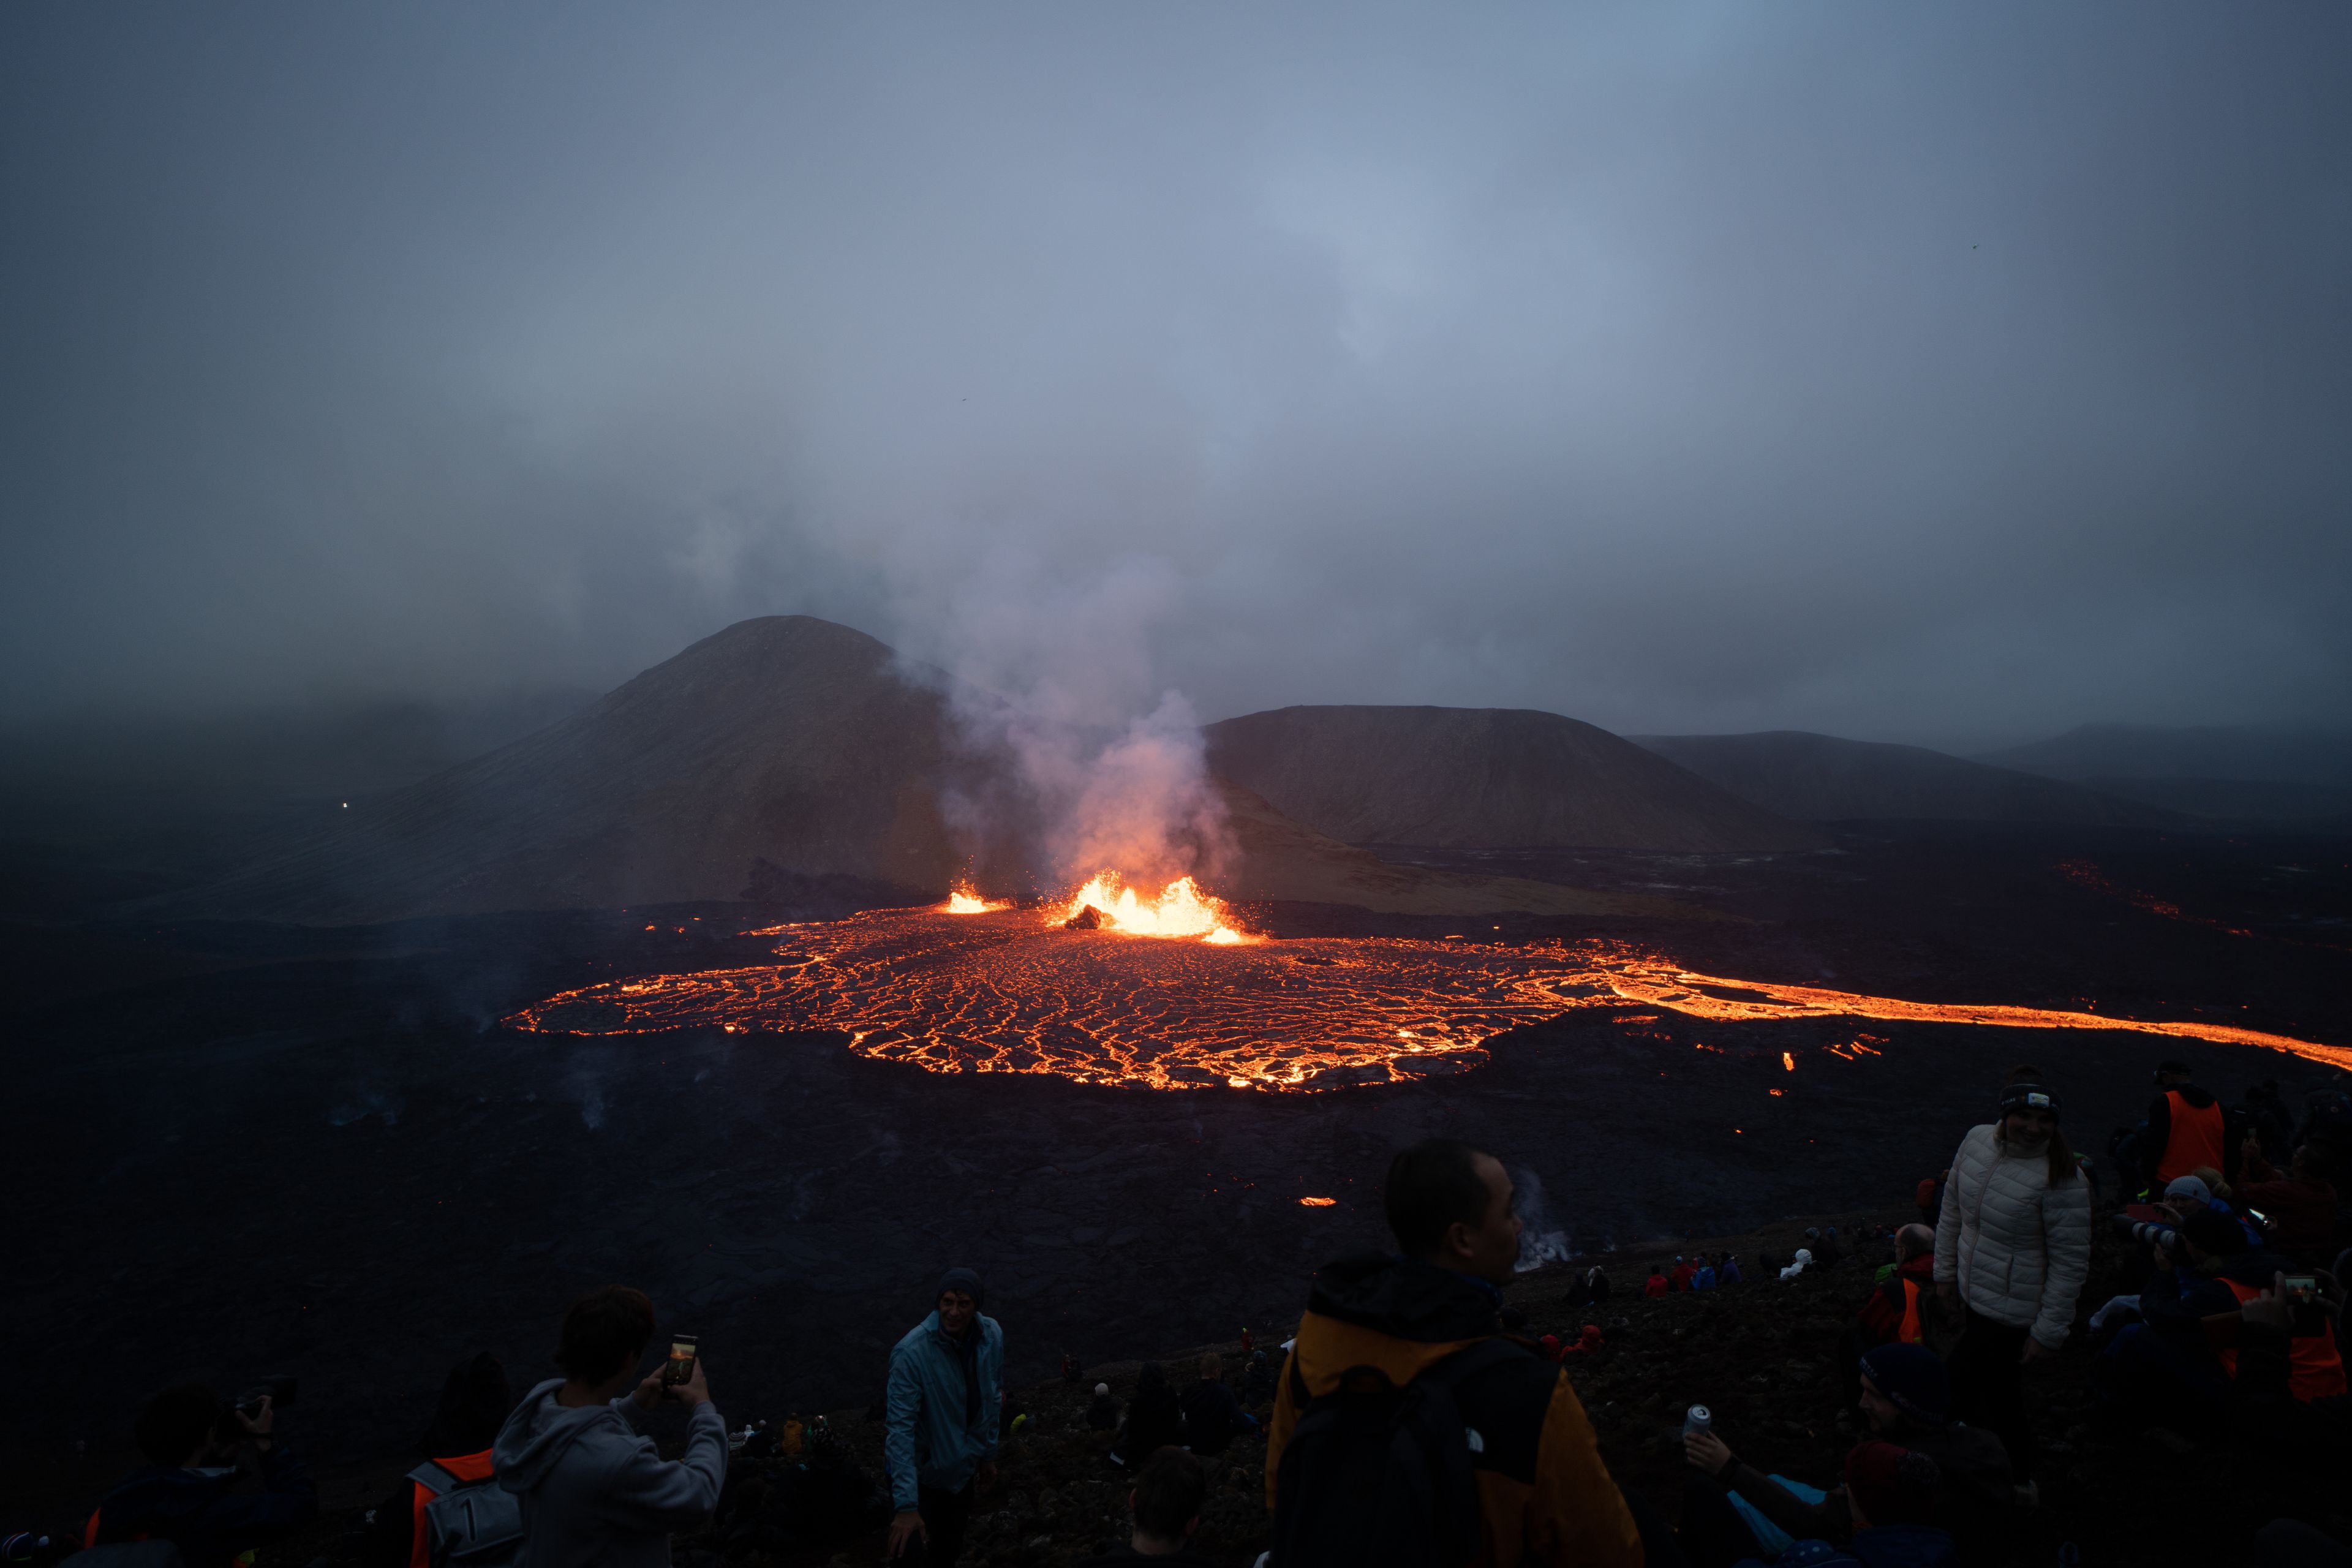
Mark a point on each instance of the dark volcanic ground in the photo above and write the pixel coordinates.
(237, 1152)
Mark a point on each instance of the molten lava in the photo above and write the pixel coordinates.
(1181, 910)
(962, 900)
(1009, 990)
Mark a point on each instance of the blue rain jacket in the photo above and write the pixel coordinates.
(938, 1438)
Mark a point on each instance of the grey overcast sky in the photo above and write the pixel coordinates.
(1943, 373)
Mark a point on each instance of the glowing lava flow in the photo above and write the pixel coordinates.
(1181, 910)
(1008, 991)
(1661, 985)
(965, 901)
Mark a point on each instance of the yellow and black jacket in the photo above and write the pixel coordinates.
(1544, 1495)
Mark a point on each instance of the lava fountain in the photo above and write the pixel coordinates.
(1084, 991)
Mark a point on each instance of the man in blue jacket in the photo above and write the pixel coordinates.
(947, 1378)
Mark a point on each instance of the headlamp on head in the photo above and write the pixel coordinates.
(2028, 1097)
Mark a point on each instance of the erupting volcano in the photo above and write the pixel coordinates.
(968, 986)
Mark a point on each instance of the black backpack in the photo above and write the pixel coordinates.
(1376, 1474)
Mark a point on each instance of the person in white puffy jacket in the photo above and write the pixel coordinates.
(2012, 1246)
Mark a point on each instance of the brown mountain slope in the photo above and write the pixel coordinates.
(786, 739)
(1283, 861)
(1822, 778)
(1483, 778)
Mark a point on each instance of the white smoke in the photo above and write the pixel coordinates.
(1539, 1243)
(1053, 675)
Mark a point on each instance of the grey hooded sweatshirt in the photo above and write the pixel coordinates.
(594, 1492)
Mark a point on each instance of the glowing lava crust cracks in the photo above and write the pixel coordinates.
(1009, 990)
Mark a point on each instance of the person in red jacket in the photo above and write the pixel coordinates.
(2299, 1202)
(1657, 1282)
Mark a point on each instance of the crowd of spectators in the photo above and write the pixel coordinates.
(1409, 1421)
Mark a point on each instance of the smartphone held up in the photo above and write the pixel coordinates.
(679, 1372)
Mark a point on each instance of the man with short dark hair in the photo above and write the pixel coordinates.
(1165, 1508)
(594, 1490)
(947, 1379)
(1542, 1494)
(192, 1441)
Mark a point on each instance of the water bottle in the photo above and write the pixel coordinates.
(1699, 1418)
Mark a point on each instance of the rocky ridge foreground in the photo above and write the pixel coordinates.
(1760, 1354)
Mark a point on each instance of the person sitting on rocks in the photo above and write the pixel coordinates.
(1827, 1252)
(1155, 1419)
(185, 1493)
(1680, 1279)
(2299, 1202)
(1656, 1284)
(1905, 1400)
(1599, 1282)
(1797, 1265)
(2278, 1401)
(1257, 1383)
(1164, 1507)
(1727, 1271)
(1102, 1412)
(1586, 1343)
(1896, 1310)
(1212, 1416)
(1702, 1276)
(2166, 1371)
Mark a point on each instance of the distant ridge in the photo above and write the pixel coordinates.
(785, 739)
(1484, 778)
(785, 758)
(2242, 753)
(1823, 778)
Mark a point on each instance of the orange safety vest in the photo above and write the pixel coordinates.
(1910, 1331)
(465, 1468)
(2315, 1367)
(2195, 1138)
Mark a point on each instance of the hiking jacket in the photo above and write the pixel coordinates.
(942, 1405)
(1894, 1311)
(197, 1510)
(1880, 1546)
(594, 1493)
(2302, 1213)
(2017, 1247)
(1976, 1493)
(1544, 1495)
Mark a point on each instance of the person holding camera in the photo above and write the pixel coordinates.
(197, 1447)
(594, 1490)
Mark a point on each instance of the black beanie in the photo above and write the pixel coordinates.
(965, 1280)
